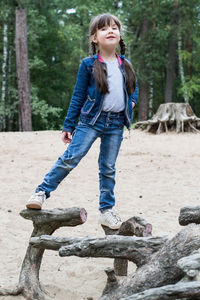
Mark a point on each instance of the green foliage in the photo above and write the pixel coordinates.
(58, 40)
(43, 112)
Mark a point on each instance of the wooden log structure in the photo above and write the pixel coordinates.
(135, 249)
(162, 268)
(134, 226)
(45, 222)
(166, 269)
(181, 290)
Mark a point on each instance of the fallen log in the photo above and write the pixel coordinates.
(135, 249)
(174, 291)
(190, 264)
(45, 222)
(189, 214)
(162, 268)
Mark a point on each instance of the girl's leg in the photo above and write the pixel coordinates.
(109, 149)
(81, 142)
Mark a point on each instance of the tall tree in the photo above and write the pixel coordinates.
(172, 54)
(25, 123)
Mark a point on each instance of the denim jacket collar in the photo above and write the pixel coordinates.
(97, 56)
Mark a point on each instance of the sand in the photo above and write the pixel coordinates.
(156, 176)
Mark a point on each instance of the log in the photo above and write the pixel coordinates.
(175, 291)
(134, 226)
(135, 249)
(112, 282)
(45, 222)
(162, 268)
(177, 117)
(56, 217)
(53, 242)
(189, 214)
(190, 264)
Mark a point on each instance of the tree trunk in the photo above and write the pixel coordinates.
(181, 68)
(25, 123)
(151, 94)
(4, 77)
(144, 86)
(170, 77)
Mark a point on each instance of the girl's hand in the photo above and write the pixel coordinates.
(133, 104)
(66, 137)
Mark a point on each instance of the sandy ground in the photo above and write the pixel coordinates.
(156, 176)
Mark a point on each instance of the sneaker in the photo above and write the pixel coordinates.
(110, 218)
(36, 200)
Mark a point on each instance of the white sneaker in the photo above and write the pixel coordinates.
(110, 219)
(36, 200)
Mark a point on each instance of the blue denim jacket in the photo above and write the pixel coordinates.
(88, 101)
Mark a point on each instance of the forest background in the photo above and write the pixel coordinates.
(162, 39)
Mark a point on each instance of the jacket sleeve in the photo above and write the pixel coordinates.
(134, 95)
(78, 98)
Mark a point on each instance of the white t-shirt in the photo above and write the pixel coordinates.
(114, 100)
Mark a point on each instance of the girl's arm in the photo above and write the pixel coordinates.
(78, 98)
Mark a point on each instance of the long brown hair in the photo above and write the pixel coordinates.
(100, 72)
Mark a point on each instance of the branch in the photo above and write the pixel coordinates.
(135, 249)
(53, 242)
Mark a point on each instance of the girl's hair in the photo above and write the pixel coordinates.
(100, 72)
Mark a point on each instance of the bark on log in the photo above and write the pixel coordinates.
(177, 117)
(134, 226)
(25, 123)
(189, 214)
(190, 264)
(112, 282)
(162, 268)
(45, 222)
(175, 291)
(135, 249)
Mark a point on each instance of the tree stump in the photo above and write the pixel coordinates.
(44, 222)
(177, 117)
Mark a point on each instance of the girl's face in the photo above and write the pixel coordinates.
(108, 36)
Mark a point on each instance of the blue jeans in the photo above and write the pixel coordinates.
(109, 128)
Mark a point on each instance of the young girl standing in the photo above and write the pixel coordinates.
(103, 99)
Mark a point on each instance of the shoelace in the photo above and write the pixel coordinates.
(112, 216)
(40, 195)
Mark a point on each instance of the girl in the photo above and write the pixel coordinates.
(104, 96)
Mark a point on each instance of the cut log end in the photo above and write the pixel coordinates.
(83, 215)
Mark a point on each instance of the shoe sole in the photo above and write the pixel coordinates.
(33, 206)
(113, 228)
